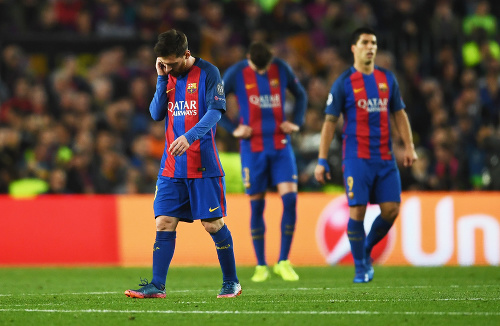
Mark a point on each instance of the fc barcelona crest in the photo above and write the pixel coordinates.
(275, 82)
(192, 87)
(383, 87)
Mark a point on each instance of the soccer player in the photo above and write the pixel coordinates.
(367, 96)
(190, 97)
(267, 158)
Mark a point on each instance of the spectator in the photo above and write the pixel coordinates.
(445, 55)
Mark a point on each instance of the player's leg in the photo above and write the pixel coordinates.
(387, 193)
(284, 175)
(208, 204)
(356, 236)
(357, 181)
(163, 249)
(288, 192)
(171, 199)
(224, 244)
(254, 169)
(258, 230)
(381, 225)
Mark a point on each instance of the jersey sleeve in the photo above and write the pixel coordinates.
(396, 101)
(216, 100)
(336, 98)
(229, 80)
(158, 106)
(298, 91)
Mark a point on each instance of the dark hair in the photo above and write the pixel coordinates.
(260, 54)
(357, 33)
(171, 42)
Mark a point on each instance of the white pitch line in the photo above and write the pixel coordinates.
(248, 312)
(37, 304)
(274, 289)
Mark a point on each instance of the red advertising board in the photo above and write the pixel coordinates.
(58, 230)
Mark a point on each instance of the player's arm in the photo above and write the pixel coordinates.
(158, 107)
(229, 82)
(237, 130)
(334, 104)
(216, 104)
(402, 124)
(327, 133)
(299, 109)
(181, 144)
(403, 127)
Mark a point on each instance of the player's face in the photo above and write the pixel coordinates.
(365, 49)
(175, 66)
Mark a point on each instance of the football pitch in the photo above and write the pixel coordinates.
(322, 296)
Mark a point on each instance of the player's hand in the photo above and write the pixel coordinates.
(179, 146)
(161, 69)
(287, 127)
(322, 169)
(243, 131)
(409, 156)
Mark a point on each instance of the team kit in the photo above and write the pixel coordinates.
(191, 98)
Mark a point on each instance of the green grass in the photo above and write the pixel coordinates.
(323, 296)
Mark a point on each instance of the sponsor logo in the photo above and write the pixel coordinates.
(331, 233)
(169, 90)
(250, 86)
(373, 104)
(357, 90)
(455, 235)
(212, 209)
(223, 247)
(266, 101)
(431, 230)
(192, 87)
(220, 89)
(183, 108)
(330, 99)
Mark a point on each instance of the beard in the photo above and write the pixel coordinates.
(180, 69)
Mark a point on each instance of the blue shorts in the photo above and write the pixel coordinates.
(263, 169)
(190, 199)
(374, 181)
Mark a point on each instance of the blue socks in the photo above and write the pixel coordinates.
(224, 245)
(258, 229)
(163, 251)
(356, 235)
(379, 229)
(288, 223)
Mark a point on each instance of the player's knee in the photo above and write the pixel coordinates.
(212, 226)
(164, 223)
(391, 213)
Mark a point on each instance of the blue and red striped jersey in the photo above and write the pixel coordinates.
(183, 101)
(365, 102)
(261, 100)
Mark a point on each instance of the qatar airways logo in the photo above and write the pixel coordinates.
(182, 108)
(373, 104)
(266, 101)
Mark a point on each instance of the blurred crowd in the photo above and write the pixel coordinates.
(78, 121)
